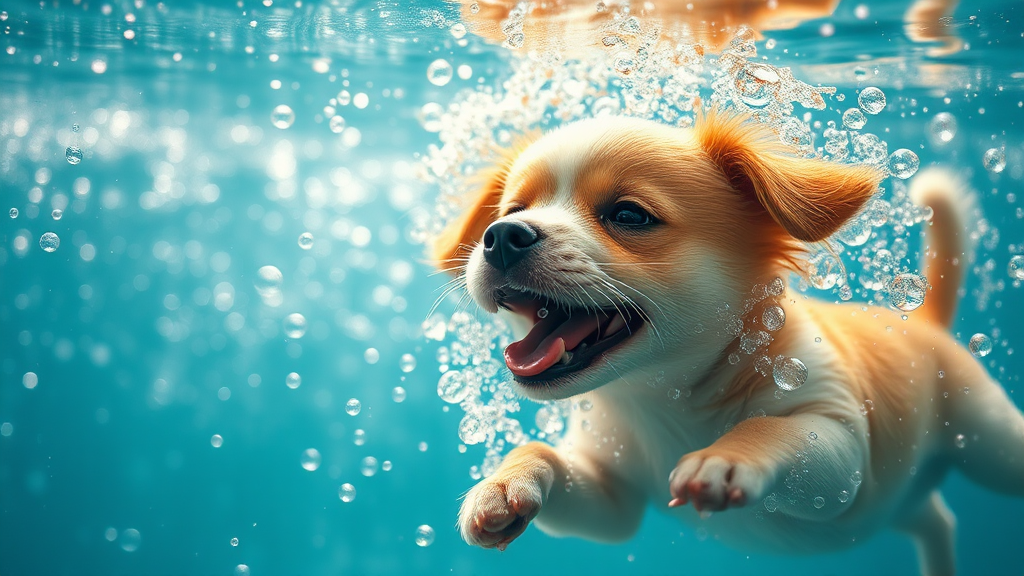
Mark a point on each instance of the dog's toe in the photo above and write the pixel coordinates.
(712, 483)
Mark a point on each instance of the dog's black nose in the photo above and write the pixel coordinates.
(507, 242)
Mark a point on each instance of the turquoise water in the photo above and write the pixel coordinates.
(148, 417)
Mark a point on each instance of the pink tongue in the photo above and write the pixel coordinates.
(548, 339)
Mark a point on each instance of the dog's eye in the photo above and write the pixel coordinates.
(629, 214)
(514, 209)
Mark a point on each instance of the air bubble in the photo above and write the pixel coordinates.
(347, 492)
(439, 72)
(942, 127)
(130, 540)
(398, 394)
(542, 313)
(73, 155)
(453, 387)
(907, 292)
(960, 441)
(234, 541)
(242, 570)
(903, 163)
(407, 363)
(872, 100)
(430, 116)
(980, 345)
(49, 242)
(294, 325)
(824, 271)
(13, 213)
(368, 466)
(994, 160)
(424, 536)
(819, 502)
(788, 373)
(305, 240)
(268, 280)
(854, 119)
(336, 124)
(282, 117)
(1016, 268)
(353, 406)
(774, 317)
(844, 496)
(310, 459)
(216, 440)
(57, 214)
(293, 380)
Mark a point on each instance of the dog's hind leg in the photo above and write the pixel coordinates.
(932, 526)
(984, 436)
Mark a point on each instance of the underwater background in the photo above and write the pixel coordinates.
(220, 337)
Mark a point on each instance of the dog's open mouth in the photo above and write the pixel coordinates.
(563, 340)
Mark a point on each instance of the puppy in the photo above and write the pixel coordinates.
(641, 266)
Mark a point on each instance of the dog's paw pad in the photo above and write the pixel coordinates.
(495, 513)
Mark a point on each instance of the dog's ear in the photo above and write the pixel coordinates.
(808, 198)
(458, 238)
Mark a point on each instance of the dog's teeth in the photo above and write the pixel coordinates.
(617, 323)
(566, 357)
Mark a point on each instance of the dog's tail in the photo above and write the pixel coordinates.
(949, 246)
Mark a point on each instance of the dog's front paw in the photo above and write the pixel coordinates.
(496, 511)
(715, 482)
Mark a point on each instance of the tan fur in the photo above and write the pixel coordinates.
(569, 24)
(889, 405)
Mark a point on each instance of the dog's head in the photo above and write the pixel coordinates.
(622, 247)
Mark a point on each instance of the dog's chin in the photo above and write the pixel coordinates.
(566, 349)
